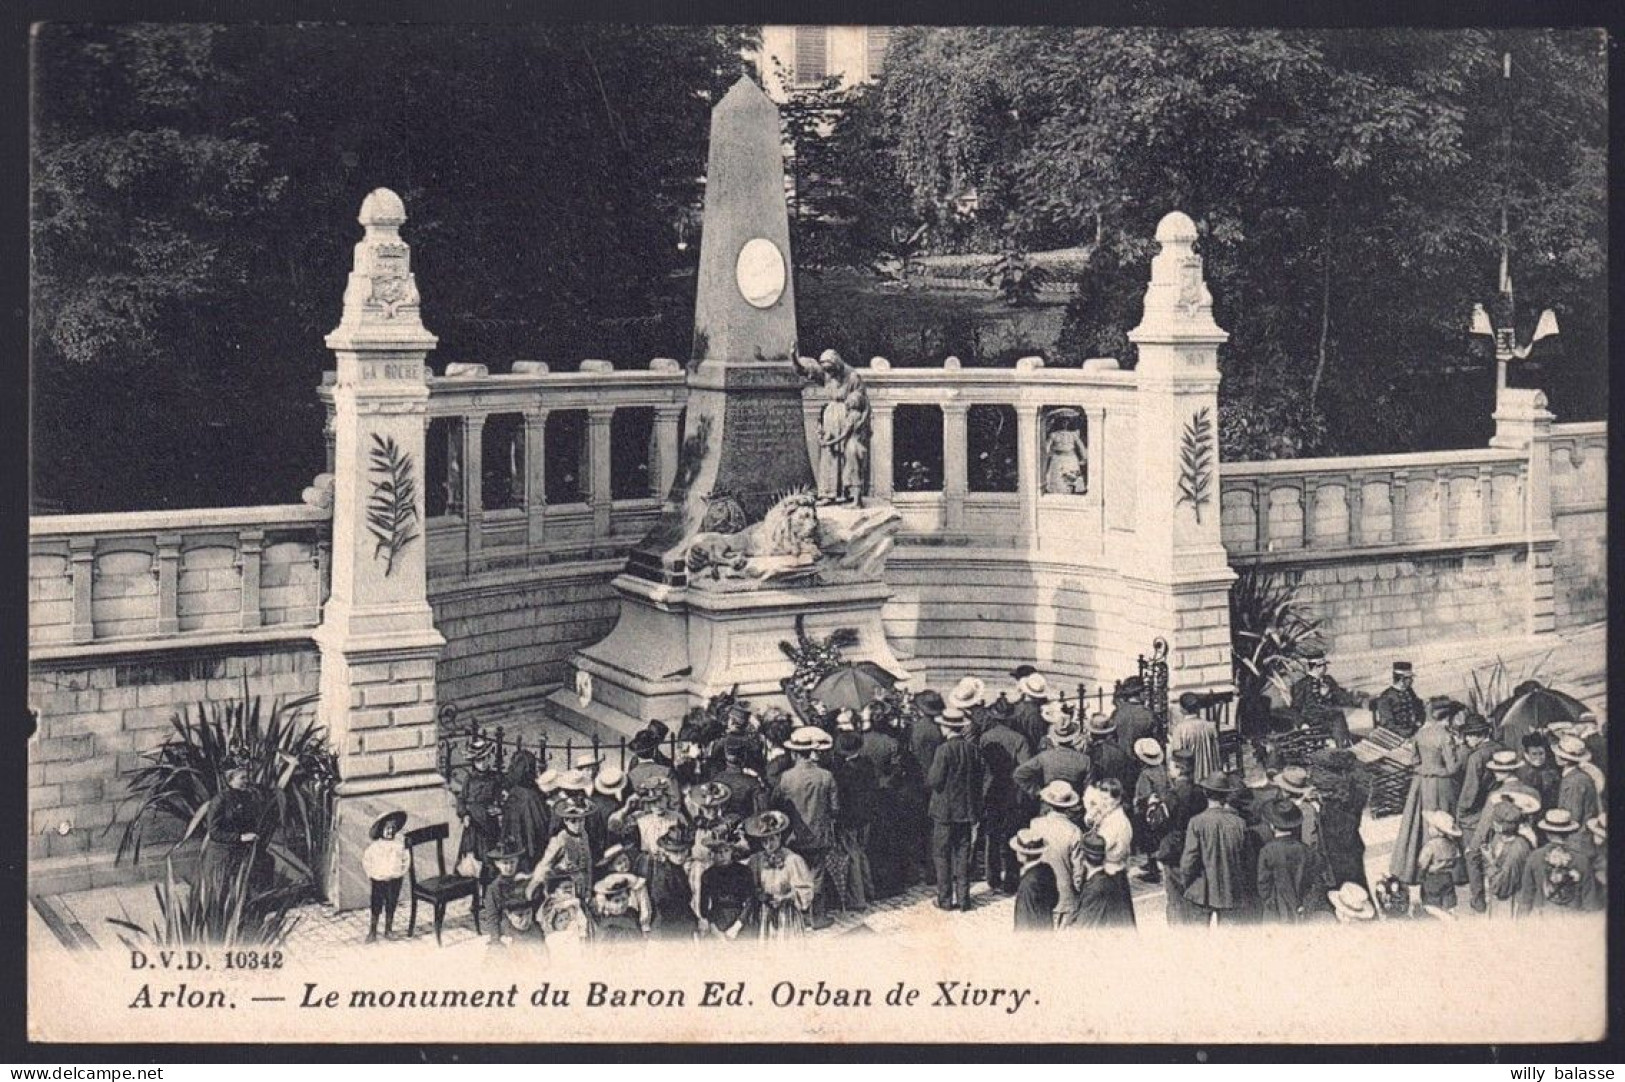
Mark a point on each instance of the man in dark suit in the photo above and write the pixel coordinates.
(1060, 760)
(1476, 783)
(1032, 692)
(1184, 802)
(1134, 720)
(747, 794)
(956, 786)
(920, 741)
(889, 846)
(1215, 857)
(807, 793)
(1104, 901)
(1107, 759)
(1036, 892)
(1004, 806)
(1288, 885)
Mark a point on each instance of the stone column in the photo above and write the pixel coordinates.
(667, 448)
(250, 546)
(1028, 479)
(473, 427)
(599, 495)
(881, 469)
(1522, 422)
(82, 568)
(1179, 580)
(377, 637)
(169, 579)
(535, 478)
(955, 451)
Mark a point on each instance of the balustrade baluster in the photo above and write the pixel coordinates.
(473, 489)
(169, 579)
(250, 544)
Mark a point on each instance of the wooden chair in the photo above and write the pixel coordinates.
(438, 890)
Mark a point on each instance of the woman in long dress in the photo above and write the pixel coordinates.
(1065, 456)
(233, 836)
(784, 884)
(1433, 788)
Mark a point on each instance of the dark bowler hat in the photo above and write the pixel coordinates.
(645, 742)
(504, 852)
(1283, 814)
(398, 818)
(1134, 685)
(1310, 652)
(1021, 672)
(849, 743)
(1220, 784)
(1475, 725)
(929, 701)
(1094, 849)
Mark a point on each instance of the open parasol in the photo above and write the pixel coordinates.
(853, 686)
(1538, 708)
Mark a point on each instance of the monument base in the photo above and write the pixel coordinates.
(424, 798)
(675, 647)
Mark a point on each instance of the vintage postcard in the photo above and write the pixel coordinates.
(817, 533)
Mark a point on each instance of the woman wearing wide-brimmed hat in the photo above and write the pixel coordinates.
(569, 851)
(784, 884)
(1066, 457)
(479, 804)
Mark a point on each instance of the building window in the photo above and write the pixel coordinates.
(875, 41)
(811, 55)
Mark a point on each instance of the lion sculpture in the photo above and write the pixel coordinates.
(783, 545)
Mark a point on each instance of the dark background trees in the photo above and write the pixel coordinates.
(195, 190)
(1346, 185)
(195, 193)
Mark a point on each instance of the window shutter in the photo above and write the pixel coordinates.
(812, 54)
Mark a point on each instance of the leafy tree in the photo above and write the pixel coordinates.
(1344, 184)
(195, 195)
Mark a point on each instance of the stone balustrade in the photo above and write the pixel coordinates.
(1287, 511)
(530, 467)
(129, 582)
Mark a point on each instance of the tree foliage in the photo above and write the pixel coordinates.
(1345, 183)
(195, 193)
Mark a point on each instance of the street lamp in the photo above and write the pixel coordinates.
(1500, 331)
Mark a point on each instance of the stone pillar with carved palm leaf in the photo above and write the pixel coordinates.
(378, 641)
(1177, 574)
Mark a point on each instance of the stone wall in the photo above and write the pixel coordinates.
(1074, 623)
(1580, 518)
(96, 720)
(509, 634)
(1392, 603)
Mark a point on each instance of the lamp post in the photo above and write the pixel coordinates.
(1500, 330)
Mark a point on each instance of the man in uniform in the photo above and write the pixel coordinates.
(1398, 709)
(1317, 699)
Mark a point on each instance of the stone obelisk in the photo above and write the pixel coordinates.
(744, 443)
(684, 636)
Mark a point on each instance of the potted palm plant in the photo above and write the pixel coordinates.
(1269, 623)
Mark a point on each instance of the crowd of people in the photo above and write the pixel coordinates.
(745, 825)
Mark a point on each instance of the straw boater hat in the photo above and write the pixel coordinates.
(612, 886)
(1557, 821)
(1442, 821)
(953, 718)
(1101, 725)
(589, 761)
(548, 780)
(1034, 686)
(398, 818)
(611, 781)
(809, 738)
(712, 794)
(1527, 801)
(1027, 843)
(1571, 749)
(1504, 762)
(480, 748)
(609, 856)
(1067, 734)
(1059, 794)
(576, 781)
(967, 693)
(1148, 751)
(1054, 712)
(1294, 780)
(1351, 902)
(767, 824)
